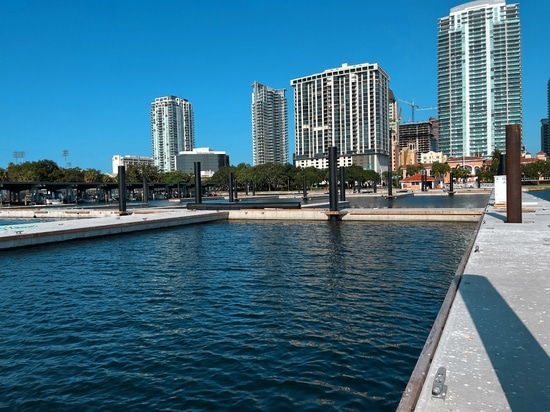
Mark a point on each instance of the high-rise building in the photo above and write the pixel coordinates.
(347, 107)
(545, 129)
(479, 77)
(269, 125)
(172, 130)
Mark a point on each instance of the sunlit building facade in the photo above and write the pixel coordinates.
(269, 125)
(172, 130)
(347, 107)
(479, 77)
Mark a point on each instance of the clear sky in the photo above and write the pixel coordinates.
(80, 75)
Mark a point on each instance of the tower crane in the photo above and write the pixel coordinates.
(415, 106)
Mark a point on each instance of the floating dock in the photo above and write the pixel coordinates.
(73, 223)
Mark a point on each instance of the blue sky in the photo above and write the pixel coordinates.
(81, 75)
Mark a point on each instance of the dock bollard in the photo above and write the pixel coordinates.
(513, 173)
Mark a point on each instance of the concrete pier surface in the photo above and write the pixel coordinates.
(33, 234)
(494, 350)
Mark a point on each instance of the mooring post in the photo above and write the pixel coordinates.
(390, 185)
(230, 184)
(198, 183)
(374, 188)
(342, 184)
(235, 189)
(451, 183)
(332, 179)
(122, 189)
(145, 192)
(304, 188)
(513, 173)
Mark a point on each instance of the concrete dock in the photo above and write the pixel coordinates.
(494, 348)
(33, 234)
(74, 223)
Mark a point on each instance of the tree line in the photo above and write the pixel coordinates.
(265, 177)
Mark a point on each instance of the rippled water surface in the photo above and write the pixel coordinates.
(224, 316)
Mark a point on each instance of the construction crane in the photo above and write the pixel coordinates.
(415, 106)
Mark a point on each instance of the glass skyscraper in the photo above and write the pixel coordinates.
(269, 125)
(347, 107)
(172, 130)
(479, 77)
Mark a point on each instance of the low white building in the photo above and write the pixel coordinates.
(119, 160)
(432, 157)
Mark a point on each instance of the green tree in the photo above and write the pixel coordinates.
(176, 176)
(414, 169)
(439, 170)
(136, 173)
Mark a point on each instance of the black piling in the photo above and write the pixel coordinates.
(198, 183)
(304, 188)
(230, 185)
(451, 184)
(513, 173)
(390, 185)
(122, 190)
(145, 192)
(342, 184)
(333, 183)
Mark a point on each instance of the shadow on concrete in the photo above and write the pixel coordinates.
(497, 216)
(521, 364)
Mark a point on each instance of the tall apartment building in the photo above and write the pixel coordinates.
(269, 125)
(394, 130)
(172, 130)
(545, 129)
(347, 107)
(479, 77)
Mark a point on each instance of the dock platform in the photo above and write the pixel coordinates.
(494, 349)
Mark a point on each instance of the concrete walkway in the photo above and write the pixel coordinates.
(495, 345)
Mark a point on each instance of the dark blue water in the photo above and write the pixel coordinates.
(268, 316)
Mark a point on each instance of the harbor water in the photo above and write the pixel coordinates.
(242, 316)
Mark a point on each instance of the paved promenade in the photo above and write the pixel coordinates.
(495, 346)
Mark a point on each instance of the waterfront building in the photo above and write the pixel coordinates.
(422, 137)
(172, 130)
(126, 161)
(479, 77)
(346, 107)
(415, 182)
(269, 125)
(211, 161)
